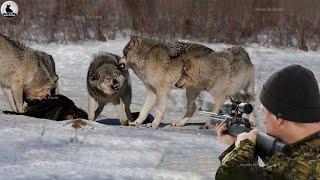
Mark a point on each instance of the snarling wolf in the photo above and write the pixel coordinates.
(109, 82)
(223, 74)
(24, 71)
(158, 65)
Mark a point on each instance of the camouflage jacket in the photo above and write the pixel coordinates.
(302, 163)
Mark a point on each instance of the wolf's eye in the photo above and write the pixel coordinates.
(50, 80)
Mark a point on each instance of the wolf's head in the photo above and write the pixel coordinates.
(136, 47)
(188, 72)
(44, 80)
(109, 78)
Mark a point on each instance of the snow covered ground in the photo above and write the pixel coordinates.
(41, 149)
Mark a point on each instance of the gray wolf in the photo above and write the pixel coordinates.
(157, 64)
(108, 82)
(24, 71)
(222, 74)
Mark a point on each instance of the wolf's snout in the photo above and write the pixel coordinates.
(53, 81)
(115, 84)
(178, 85)
(56, 78)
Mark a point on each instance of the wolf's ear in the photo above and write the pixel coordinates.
(135, 40)
(121, 66)
(93, 81)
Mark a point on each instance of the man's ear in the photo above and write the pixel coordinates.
(279, 121)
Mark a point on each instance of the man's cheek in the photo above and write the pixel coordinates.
(268, 129)
(265, 119)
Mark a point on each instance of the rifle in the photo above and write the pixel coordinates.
(231, 114)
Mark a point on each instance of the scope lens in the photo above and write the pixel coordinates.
(245, 108)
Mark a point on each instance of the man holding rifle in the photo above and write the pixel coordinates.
(291, 105)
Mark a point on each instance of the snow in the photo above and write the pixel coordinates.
(41, 149)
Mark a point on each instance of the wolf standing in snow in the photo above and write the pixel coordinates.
(157, 64)
(107, 82)
(24, 71)
(222, 74)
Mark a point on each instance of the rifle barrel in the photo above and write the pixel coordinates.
(215, 116)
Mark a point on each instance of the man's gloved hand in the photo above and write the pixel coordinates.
(221, 129)
(252, 136)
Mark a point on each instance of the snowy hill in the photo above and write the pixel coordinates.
(41, 149)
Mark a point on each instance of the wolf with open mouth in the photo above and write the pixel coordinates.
(109, 82)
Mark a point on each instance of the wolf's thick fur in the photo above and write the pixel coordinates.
(107, 82)
(223, 74)
(25, 71)
(157, 64)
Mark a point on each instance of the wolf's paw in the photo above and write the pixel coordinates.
(124, 123)
(177, 124)
(91, 117)
(20, 110)
(134, 123)
(152, 125)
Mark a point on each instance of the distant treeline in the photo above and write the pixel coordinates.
(280, 23)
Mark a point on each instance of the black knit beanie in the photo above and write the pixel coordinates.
(292, 93)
